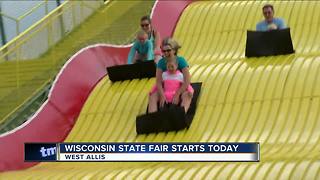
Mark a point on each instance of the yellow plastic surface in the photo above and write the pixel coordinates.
(271, 100)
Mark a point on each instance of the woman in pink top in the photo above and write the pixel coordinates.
(172, 81)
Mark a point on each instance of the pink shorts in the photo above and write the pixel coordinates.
(171, 92)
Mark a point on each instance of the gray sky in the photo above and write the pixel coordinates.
(18, 8)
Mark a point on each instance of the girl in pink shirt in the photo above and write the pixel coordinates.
(172, 80)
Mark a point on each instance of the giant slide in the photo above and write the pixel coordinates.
(271, 100)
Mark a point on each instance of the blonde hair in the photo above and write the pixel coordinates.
(172, 43)
(141, 33)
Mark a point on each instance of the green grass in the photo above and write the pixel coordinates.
(115, 23)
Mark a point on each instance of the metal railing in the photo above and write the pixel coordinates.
(27, 61)
(47, 31)
(18, 20)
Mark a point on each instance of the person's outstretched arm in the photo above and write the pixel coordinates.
(150, 55)
(282, 24)
(185, 84)
(186, 80)
(157, 40)
(162, 97)
(131, 54)
(258, 27)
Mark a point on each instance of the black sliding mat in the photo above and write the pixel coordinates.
(192, 110)
(146, 69)
(269, 43)
(169, 118)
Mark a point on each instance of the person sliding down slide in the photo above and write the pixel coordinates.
(270, 23)
(142, 49)
(172, 81)
(153, 36)
(170, 49)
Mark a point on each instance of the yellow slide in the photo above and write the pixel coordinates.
(271, 100)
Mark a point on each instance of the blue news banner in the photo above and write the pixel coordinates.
(112, 152)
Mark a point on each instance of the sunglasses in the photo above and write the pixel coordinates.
(144, 25)
(166, 50)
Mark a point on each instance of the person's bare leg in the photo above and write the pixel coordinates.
(186, 100)
(153, 102)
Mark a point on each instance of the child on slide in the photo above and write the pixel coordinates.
(142, 49)
(172, 80)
